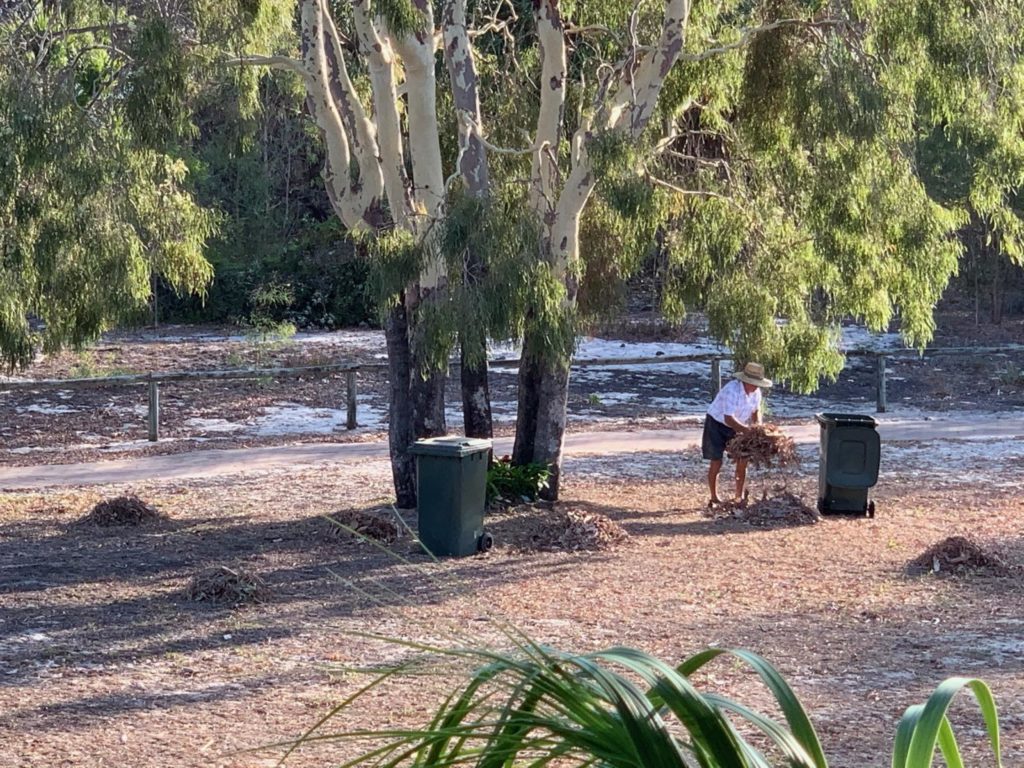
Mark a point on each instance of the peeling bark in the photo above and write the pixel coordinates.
(365, 162)
(554, 71)
(380, 58)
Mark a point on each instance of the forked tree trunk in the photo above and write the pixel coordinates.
(400, 428)
(558, 200)
(476, 393)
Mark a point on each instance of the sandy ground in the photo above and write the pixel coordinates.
(993, 438)
(105, 662)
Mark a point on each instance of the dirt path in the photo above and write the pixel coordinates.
(206, 464)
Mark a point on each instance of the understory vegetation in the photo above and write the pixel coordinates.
(623, 707)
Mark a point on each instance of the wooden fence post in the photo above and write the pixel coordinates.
(350, 381)
(154, 411)
(882, 400)
(716, 376)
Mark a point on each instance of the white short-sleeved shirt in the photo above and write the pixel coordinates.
(732, 400)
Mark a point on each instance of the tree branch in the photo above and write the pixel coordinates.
(550, 33)
(747, 34)
(273, 62)
(459, 59)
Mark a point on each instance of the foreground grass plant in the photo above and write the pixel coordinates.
(621, 707)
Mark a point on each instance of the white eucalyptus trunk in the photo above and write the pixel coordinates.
(544, 382)
(475, 174)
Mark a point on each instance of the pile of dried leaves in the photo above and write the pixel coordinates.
(122, 510)
(782, 508)
(362, 524)
(222, 585)
(576, 530)
(763, 446)
(957, 555)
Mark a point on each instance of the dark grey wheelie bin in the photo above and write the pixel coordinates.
(850, 455)
(451, 486)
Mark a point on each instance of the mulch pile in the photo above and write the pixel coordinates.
(553, 529)
(222, 585)
(361, 524)
(957, 555)
(763, 446)
(123, 510)
(783, 508)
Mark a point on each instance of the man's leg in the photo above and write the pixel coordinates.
(741, 477)
(713, 469)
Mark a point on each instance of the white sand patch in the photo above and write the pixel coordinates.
(213, 425)
(857, 337)
(296, 419)
(47, 409)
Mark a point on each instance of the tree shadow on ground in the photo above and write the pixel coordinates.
(81, 594)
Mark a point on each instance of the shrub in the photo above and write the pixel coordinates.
(623, 707)
(510, 482)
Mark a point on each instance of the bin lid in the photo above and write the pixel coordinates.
(846, 419)
(453, 446)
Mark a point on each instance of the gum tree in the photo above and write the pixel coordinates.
(768, 150)
(93, 197)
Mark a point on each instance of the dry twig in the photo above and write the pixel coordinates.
(763, 446)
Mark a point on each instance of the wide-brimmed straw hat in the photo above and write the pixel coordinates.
(753, 373)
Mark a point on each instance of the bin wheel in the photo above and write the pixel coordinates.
(871, 509)
(821, 507)
(485, 542)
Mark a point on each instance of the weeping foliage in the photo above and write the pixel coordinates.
(495, 279)
(86, 217)
(95, 187)
(807, 202)
(623, 707)
(789, 194)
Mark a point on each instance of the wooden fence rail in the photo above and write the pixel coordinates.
(154, 380)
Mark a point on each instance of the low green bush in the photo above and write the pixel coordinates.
(509, 482)
(541, 707)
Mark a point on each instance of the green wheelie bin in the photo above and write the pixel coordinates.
(850, 457)
(451, 483)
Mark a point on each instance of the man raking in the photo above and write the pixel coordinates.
(735, 409)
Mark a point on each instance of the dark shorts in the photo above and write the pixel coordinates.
(716, 435)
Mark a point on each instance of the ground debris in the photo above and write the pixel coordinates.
(122, 510)
(223, 585)
(957, 555)
(362, 524)
(763, 446)
(783, 507)
(546, 528)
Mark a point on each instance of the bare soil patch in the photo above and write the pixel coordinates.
(105, 661)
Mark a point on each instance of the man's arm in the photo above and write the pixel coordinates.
(734, 423)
